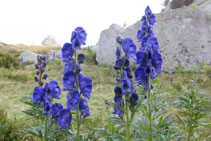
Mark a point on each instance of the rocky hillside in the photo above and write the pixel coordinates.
(184, 35)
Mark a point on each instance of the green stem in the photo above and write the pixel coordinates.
(127, 118)
(150, 111)
(78, 112)
(46, 129)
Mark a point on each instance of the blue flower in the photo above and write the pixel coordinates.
(78, 38)
(64, 118)
(152, 19)
(118, 53)
(141, 58)
(134, 99)
(52, 89)
(67, 52)
(148, 12)
(69, 66)
(129, 48)
(129, 73)
(118, 92)
(47, 107)
(118, 65)
(73, 98)
(56, 108)
(84, 107)
(81, 58)
(119, 104)
(69, 80)
(85, 84)
(119, 39)
(38, 95)
(157, 61)
(126, 84)
(152, 42)
(142, 32)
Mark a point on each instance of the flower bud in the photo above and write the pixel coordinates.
(119, 39)
(37, 72)
(45, 76)
(36, 66)
(36, 79)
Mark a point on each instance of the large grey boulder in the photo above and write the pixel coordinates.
(50, 40)
(184, 35)
(105, 53)
(28, 56)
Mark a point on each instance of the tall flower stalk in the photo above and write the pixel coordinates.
(79, 87)
(125, 93)
(149, 59)
(44, 95)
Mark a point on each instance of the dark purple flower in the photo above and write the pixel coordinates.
(119, 104)
(81, 58)
(118, 65)
(38, 95)
(134, 99)
(64, 118)
(73, 98)
(129, 73)
(118, 53)
(129, 48)
(47, 108)
(126, 84)
(118, 92)
(69, 80)
(67, 52)
(85, 84)
(84, 107)
(52, 89)
(55, 108)
(78, 38)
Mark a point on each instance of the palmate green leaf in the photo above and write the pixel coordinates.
(180, 121)
(35, 131)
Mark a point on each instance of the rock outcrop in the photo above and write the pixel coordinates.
(50, 40)
(28, 56)
(184, 35)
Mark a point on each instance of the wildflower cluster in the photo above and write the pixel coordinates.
(79, 87)
(124, 74)
(44, 95)
(149, 60)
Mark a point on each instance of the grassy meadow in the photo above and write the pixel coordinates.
(15, 83)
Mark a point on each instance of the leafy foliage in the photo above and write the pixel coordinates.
(162, 126)
(8, 129)
(191, 110)
(8, 61)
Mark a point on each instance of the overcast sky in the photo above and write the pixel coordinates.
(30, 21)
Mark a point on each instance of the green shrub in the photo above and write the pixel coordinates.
(90, 57)
(207, 72)
(8, 129)
(174, 4)
(16, 76)
(8, 61)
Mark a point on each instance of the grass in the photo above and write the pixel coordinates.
(17, 83)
